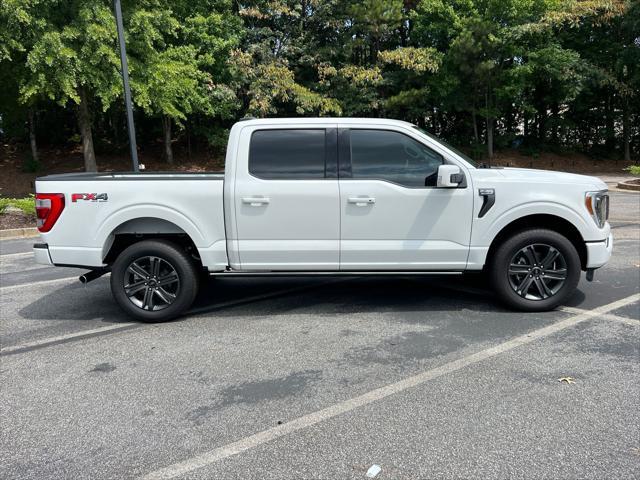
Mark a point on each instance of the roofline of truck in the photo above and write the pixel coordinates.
(108, 176)
(309, 120)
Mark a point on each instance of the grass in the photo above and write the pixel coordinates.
(27, 204)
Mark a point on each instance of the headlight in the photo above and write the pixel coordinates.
(597, 204)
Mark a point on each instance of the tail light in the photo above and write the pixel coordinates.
(49, 206)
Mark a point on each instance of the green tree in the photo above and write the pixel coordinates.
(376, 23)
(549, 73)
(262, 72)
(70, 59)
(178, 61)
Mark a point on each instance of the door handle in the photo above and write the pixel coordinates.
(362, 201)
(255, 201)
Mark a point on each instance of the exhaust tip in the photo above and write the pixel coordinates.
(91, 275)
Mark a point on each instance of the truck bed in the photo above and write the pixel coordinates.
(100, 206)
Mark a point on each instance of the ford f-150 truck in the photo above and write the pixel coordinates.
(341, 196)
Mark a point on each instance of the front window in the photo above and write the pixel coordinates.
(394, 157)
(465, 157)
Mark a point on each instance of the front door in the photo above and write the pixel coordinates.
(287, 200)
(392, 215)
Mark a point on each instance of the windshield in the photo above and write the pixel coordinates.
(446, 145)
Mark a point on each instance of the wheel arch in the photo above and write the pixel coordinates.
(544, 221)
(145, 228)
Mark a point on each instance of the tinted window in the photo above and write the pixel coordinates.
(392, 156)
(287, 154)
(446, 145)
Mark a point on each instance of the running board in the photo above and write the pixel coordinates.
(294, 273)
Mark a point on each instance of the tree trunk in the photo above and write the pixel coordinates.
(303, 16)
(625, 133)
(609, 120)
(434, 120)
(166, 129)
(114, 127)
(474, 120)
(84, 122)
(489, 120)
(490, 138)
(509, 120)
(404, 30)
(540, 120)
(188, 132)
(542, 123)
(375, 48)
(555, 115)
(32, 135)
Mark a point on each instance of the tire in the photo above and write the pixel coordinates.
(535, 270)
(162, 281)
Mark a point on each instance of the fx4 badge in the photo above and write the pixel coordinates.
(91, 197)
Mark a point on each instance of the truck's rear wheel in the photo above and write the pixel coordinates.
(154, 281)
(535, 270)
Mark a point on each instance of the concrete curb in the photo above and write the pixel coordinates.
(627, 185)
(18, 233)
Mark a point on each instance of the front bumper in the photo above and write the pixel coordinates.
(599, 253)
(41, 254)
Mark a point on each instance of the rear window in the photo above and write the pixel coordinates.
(287, 154)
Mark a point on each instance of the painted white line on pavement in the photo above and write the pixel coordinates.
(60, 338)
(216, 455)
(124, 326)
(15, 255)
(604, 316)
(33, 284)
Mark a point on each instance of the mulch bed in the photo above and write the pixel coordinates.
(8, 221)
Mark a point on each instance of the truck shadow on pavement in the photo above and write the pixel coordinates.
(407, 299)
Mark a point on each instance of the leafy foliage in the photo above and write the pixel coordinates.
(27, 204)
(541, 74)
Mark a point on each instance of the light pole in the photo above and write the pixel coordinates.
(127, 90)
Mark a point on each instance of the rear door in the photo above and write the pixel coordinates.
(392, 215)
(287, 199)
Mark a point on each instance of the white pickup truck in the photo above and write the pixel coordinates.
(331, 196)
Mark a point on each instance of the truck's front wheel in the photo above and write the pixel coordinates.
(154, 281)
(535, 270)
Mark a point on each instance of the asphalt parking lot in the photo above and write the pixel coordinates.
(322, 378)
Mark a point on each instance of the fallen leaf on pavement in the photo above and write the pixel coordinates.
(568, 380)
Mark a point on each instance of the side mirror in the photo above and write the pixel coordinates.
(449, 176)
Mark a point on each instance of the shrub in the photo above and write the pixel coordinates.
(27, 205)
(634, 169)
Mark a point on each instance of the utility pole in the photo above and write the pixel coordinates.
(127, 90)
